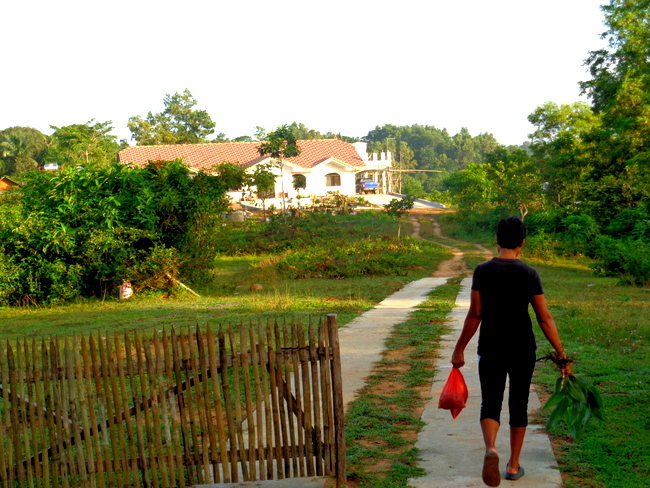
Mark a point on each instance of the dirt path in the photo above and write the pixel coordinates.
(455, 266)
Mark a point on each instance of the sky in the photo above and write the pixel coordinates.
(341, 66)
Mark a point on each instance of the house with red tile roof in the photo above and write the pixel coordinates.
(7, 183)
(323, 164)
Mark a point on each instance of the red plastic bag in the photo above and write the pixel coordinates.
(454, 394)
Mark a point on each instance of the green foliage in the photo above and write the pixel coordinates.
(82, 144)
(398, 207)
(179, 123)
(22, 149)
(280, 144)
(426, 147)
(413, 187)
(81, 232)
(471, 188)
(579, 231)
(366, 257)
(627, 258)
(509, 180)
(282, 233)
(576, 401)
(334, 202)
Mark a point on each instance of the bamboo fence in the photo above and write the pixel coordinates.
(176, 409)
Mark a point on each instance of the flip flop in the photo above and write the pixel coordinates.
(516, 476)
(491, 475)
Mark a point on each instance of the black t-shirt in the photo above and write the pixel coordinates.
(506, 286)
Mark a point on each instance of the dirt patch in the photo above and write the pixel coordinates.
(455, 266)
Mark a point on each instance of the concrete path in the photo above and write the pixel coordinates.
(362, 340)
(452, 449)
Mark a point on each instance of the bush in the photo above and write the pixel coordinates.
(541, 245)
(82, 232)
(368, 257)
(631, 222)
(579, 232)
(284, 232)
(627, 258)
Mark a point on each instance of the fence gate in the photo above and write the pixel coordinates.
(173, 409)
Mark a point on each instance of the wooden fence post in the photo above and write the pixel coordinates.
(337, 397)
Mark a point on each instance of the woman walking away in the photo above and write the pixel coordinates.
(502, 288)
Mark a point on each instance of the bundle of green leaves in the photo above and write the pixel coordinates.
(577, 401)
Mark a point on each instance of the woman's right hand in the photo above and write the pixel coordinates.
(458, 359)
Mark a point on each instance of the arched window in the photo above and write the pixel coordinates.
(333, 179)
(299, 182)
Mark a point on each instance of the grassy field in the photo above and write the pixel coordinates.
(606, 326)
(226, 296)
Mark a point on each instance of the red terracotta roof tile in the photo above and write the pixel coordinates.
(204, 156)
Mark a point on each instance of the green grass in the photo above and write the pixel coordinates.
(225, 293)
(455, 228)
(472, 256)
(606, 327)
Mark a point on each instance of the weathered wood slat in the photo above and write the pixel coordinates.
(169, 410)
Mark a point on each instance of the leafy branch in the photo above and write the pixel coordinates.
(576, 400)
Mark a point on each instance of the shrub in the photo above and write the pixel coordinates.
(367, 257)
(579, 232)
(541, 245)
(632, 222)
(629, 259)
(82, 232)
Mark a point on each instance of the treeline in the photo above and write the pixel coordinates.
(24, 149)
(433, 152)
(584, 188)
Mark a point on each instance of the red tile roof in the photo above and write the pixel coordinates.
(313, 152)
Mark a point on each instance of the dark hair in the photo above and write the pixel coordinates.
(511, 233)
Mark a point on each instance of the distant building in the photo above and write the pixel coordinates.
(323, 164)
(7, 184)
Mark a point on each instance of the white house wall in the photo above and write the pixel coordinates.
(315, 180)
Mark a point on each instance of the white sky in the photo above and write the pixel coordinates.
(339, 65)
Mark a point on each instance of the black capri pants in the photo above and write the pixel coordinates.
(492, 374)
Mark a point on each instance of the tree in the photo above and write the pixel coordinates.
(561, 145)
(280, 144)
(471, 188)
(432, 148)
(517, 176)
(179, 123)
(81, 144)
(398, 207)
(263, 180)
(619, 90)
(22, 149)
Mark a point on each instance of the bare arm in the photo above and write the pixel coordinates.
(472, 321)
(546, 322)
